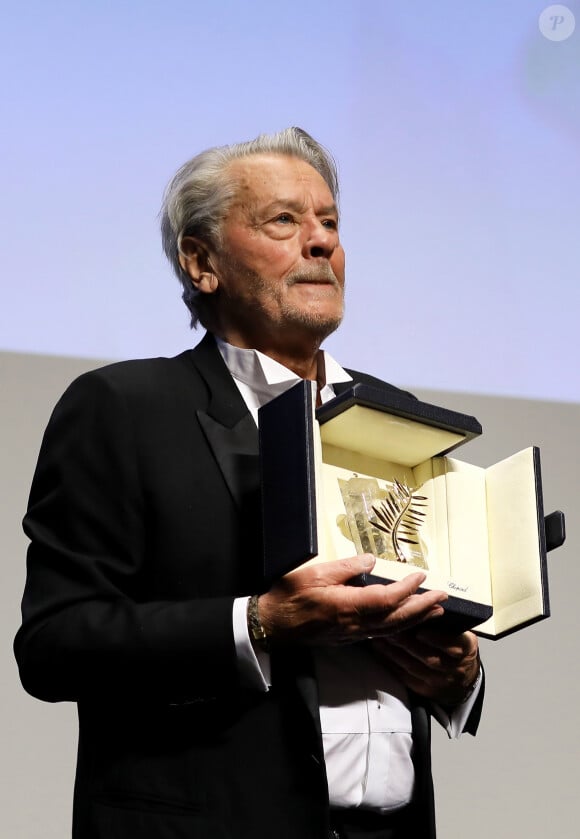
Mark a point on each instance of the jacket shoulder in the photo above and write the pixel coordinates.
(144, 390)
(141, 371)
(139, 379)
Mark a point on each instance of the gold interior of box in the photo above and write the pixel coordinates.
(398, 439)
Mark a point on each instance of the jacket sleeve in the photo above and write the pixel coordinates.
(89, 626)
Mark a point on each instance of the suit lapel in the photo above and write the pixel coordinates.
(227, 424)
(236, 452)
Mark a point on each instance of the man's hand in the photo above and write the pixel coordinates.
(314, 605)
(432, 663)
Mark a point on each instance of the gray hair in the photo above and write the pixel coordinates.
(198, 197)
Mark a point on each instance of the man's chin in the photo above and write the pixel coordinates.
(317, 325)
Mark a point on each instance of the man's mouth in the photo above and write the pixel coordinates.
(327, 278)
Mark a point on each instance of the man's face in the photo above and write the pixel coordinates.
(280, 265)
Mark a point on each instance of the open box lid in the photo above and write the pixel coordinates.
(416, 430)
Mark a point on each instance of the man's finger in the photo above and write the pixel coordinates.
(338, 572)
(380, 596)
(455, 646)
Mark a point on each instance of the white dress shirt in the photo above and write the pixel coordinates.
(364, 710)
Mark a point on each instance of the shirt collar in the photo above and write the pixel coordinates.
(264, 375)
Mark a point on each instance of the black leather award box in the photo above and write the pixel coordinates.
(370, 472)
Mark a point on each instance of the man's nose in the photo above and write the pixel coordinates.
(320, 240)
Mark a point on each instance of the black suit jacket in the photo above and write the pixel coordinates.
(144, 523)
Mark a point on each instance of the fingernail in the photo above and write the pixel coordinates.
(369, 561)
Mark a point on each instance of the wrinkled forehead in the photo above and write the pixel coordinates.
(264, 178)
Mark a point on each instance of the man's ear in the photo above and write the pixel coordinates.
(194, 260)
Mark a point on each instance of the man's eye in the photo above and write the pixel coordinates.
(331, 223)
(284, 218)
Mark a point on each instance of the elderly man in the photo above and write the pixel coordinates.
(209, 707)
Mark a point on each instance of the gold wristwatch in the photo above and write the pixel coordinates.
(257, 631)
